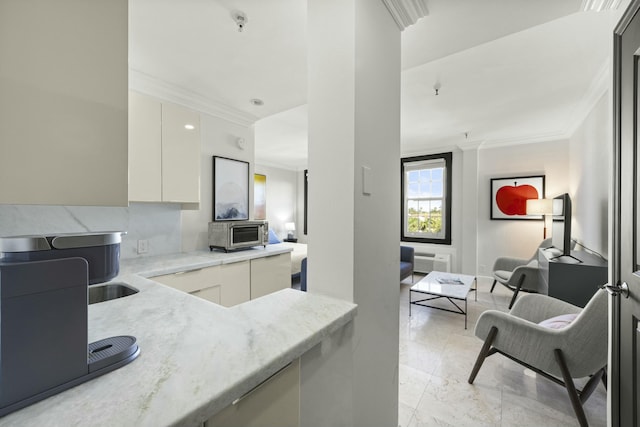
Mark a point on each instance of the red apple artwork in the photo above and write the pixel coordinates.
(512, 199)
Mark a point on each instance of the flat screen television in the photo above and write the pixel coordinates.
(561, 227)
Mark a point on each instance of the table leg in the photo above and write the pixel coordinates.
(465, 313)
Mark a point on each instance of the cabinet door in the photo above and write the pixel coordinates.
(235, 279)
(180, 154)
(63, 102)
(275, 402)
(270, 274)
(145, 154)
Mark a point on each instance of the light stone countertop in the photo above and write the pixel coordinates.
(196, 357)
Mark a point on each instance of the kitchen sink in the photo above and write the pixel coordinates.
(102, 293)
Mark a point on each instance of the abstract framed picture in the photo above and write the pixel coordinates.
(509, 196)
(230, 189)
(259, 196)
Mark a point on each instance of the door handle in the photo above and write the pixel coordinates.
(615, 290)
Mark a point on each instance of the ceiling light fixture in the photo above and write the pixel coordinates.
(257, 102)
(437, 87)
(189, 126)
(240, 19)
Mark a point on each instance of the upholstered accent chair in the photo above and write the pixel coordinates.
(552, 338)
(519, 274)
(406, 262)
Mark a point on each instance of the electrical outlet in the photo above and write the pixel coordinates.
(143, 246)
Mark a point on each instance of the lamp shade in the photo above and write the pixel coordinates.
(290, 226)
(539, 206)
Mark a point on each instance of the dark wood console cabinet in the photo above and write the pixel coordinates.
(576, 282)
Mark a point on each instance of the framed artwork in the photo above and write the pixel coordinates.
(509, 196)
(230, 189)
(259, 196)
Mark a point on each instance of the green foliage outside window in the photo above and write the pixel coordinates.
(425, 222)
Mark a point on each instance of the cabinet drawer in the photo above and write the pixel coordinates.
(191, 281)
(275, 402)
(211, 294)
(226, 284)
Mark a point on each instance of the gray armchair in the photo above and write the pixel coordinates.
(407, 262)
(519, 274)
(577, 350)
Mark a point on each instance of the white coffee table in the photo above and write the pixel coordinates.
(451, 286)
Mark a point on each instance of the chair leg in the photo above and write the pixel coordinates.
(493, 286)
(484, 352)
(571, 389)
(516, 291)
(591, 385)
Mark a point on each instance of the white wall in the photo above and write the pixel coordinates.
(590, 154)
(218, 139)
(282, 191)
(517, 238)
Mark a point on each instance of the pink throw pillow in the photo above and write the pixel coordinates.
(559, 322)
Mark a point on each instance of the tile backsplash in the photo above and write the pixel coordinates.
(158, 223)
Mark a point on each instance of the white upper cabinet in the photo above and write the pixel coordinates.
(180, 154)
(164, 151)
(63, 102)
(145, 151)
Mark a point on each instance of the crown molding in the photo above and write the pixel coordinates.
(525, 139)
(149, 85)
(599, 5)
(471, 145)
(406, 12)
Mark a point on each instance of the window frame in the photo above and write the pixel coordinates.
(448, 189)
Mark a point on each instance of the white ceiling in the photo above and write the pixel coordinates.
(509, 70)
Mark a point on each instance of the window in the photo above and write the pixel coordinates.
(426, 199)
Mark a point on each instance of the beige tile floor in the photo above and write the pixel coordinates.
(436, 357)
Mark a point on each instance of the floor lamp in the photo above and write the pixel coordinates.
(542, 207)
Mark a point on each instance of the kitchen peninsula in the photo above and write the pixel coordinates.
(197, 357)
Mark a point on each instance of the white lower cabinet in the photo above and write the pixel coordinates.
(226, 284)
(270, 274)
(275, 402)
(234, 283)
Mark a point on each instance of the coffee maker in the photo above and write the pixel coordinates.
(44, 345)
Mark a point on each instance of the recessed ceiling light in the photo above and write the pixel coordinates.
(189, 127)
(257, 102)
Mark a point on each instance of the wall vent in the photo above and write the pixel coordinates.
(425, 262)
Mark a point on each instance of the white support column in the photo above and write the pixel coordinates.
(354, 215)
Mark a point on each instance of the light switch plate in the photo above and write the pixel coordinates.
(366, 180)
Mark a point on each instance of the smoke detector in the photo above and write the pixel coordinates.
(240, 19)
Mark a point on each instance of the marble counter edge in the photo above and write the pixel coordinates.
(186, 261)
(257, 376)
